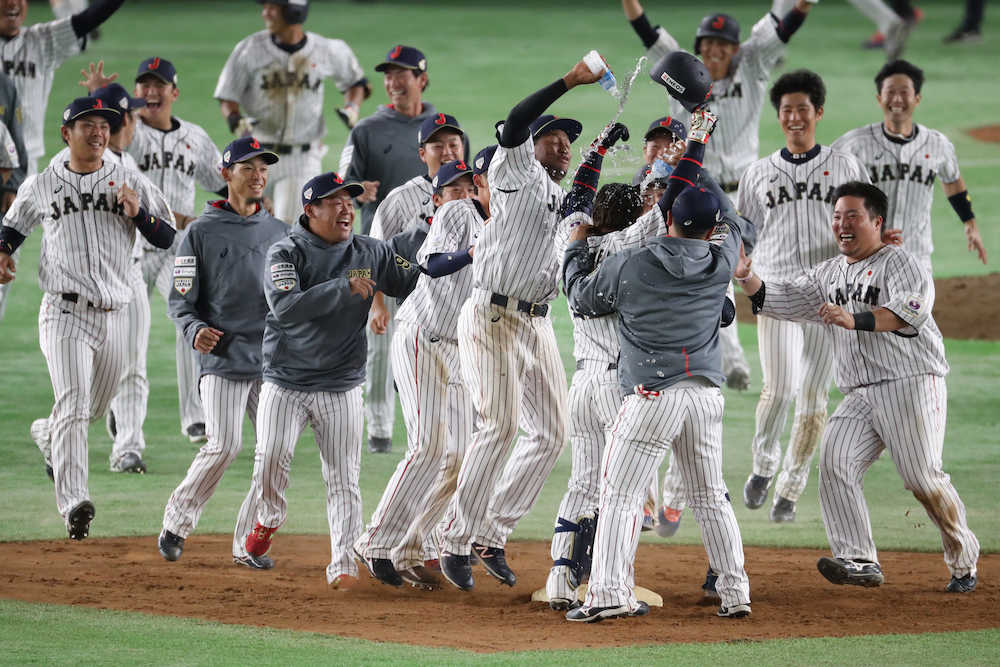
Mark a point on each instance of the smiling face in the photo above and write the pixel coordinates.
(12, 15)
(552, 150)
(717, 54)
(664, 146)
(461, 188)
(403, 86)
(443, 146)
(159, 95)
(898, 99)
(247, 180)
(858, 234)
(332, 218)
(798, 118)
(87, 137)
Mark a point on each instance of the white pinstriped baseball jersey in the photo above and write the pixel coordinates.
(891, 278)
(737, 99)
(905, 170)
(8, 151)
(516, 253)
(176, 159)
(284, 91)
(31, 59)
(435, 303)
(790, 199)
(88, 238)
(401, 206)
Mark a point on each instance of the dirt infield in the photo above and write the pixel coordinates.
(790, 598)
(963, 307)
(989, 133)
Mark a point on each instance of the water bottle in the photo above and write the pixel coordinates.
(597, 64)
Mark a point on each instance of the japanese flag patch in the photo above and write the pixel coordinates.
(183, 285)
(284, 276)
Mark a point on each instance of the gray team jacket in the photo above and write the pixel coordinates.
(315, 336)
(217, 282)
(668, 296)
(10, 114)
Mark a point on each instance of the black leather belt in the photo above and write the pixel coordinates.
(532, 309)
(72, 297)
(613, 366)
(730, 187)
(285, 149)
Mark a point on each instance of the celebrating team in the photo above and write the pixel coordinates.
(288, 316)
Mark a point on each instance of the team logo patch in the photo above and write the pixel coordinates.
(914, 304)
(673, 83)
(183, 285)
(66, 114)
(308, 193)
(185, 260)
(123, 103)
(480, 162)
(359, 273)
(185, 271)
(422, 64)
(719, 234)
(284, 276)
(225, 157)
(403, 263)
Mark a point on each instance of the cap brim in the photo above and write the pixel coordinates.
(446, 126)
(571, 127)
(353, 188)
(458, 175)
(383, 66)
(111, 115)
(152, 73)
(265, 155)
(135, 103)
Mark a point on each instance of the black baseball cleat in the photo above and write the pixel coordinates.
(196, 433)
(171, 545)
(710, 596)
(736, 611)
(965, 584)
(130, 462)
(457, 570)
(254, 562)
(783, 510)
(598, 614)
(380, 445)
(78, 523)
(385, 571)
(495, 562)
(854, 572)
(755, 491)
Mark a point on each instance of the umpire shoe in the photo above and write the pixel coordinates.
(78, 523)
(259, 539)
(379, 445)
(196, 433)
(965, 584)
(170, 545)
(783, 510)
(420, 577)
(669, 520)
(457, 570)
(755, 491)
(129, 462)
(495, 562)
(598, 614)
(736, 611)
(254, 562)
(709, 594)
(854, 572)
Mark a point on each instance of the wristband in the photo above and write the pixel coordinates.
(10, 239)
(864, 321)
(962, 205)
(757, 299)
(233, 120)
(745, 279)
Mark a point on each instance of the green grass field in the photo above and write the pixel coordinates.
(482, 60)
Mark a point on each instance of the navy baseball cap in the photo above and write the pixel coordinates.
(449, 173)
(439, 122)
(246, 148)
(481, 163)
(548, 122)
(325, 185)
(161, 68)
(696, 210)
(403, 56)
(86, 106)
(116, 97)
(667, 124)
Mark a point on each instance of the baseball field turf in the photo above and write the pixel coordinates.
(482, 59)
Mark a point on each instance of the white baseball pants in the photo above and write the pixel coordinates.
(380, 397)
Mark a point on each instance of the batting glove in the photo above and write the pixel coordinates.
(703, 122)
(611, 134)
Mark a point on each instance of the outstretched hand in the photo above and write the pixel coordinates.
(94, 77)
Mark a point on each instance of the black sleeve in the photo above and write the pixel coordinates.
(156, 231)
(757, 299)
(581, 195)
(646, 32)
(515, 129)
(684, 175)
(93, 16)
(10, 239)
(787, 26)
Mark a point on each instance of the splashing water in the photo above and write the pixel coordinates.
(621, 93)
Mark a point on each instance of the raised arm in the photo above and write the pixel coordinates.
(516, 129)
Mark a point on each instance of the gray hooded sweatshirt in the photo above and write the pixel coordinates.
(217, 283)
(315, 338)
(668, 296)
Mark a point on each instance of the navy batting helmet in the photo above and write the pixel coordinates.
(684, 77)
(722, 26)
(295, 11)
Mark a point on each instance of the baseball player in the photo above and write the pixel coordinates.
(440, 139)
(90, 209)
(670, 373)
(30, 58)
(11, 117)
(225, 247)
(381, 150)
(904, 159)
(319, 285)
(510, 362)
(895, 396)
(664, 141)
(437, 408)
(893, 27)
(273, 85)
(788, 194)
(969, 30)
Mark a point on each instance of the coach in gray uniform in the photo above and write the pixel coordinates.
(319, 283)
(668, 297)
(218, 305)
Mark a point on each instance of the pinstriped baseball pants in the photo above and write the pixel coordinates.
(687, 418)
(438, 414)
(380, 399)
(132, 394)
(85, 351)
(908, 418)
